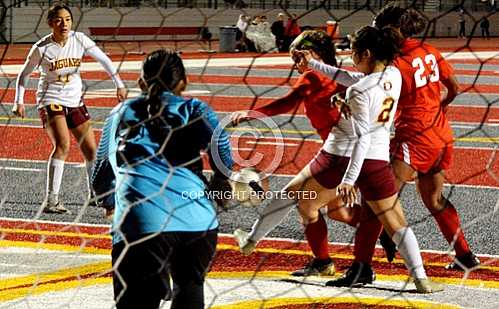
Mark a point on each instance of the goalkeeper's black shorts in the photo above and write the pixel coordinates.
(142, 270)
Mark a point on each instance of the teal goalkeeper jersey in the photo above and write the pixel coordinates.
(153, 164)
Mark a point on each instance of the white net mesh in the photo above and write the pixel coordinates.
(63, 260)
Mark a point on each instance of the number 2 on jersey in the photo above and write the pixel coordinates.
(419, 76)
(387, 107)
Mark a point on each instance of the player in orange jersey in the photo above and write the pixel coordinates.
(423, 140)
(314, 91)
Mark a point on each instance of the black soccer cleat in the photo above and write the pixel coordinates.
(388, 245)
(468, 261)
(316, 267)
(357, 275)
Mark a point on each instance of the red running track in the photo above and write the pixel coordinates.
(472, 114)
(476, 167)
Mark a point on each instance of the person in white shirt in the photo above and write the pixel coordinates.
(58, 57)
(356, 153)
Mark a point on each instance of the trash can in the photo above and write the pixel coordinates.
(228, 39)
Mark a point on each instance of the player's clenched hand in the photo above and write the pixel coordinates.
(348, 194)
(239, 116)
(121, 94)
(18, 110)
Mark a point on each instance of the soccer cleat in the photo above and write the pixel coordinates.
(92, 200)
(357, 275)
(57, 208)
(426, 286)
(246, 246)
(468, 261)
(388, 245)
(316, 267)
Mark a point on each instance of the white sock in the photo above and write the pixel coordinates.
(408, 247)
(271, 216)
(89, 166)
(55, 169)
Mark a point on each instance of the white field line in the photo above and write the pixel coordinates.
(72, 164)
(243, 148)
(245, 61)
(81, 165)
(22, 169)
(287, 240)
(271, 143)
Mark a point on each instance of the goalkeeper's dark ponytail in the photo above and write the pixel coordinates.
(162, 70)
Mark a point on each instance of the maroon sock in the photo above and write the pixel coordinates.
(450, 225)
(356, 213)
(366, 236)
(316, 234)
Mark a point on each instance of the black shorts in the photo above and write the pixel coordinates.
(74, 115)
(141, 272)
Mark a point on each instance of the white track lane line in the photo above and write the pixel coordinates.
(80, 165)
(244, 61)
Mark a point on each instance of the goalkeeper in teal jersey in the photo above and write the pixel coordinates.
(149, 156)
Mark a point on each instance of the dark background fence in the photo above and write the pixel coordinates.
(425, 5)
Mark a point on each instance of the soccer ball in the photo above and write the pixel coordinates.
(249, 187)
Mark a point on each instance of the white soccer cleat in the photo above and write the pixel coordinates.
(246, 246)
(57, 208)
(426, 286)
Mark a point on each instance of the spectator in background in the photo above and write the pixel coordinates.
(462, 25)
(243, 44)
(277, 29)
(484, 25)
(292, 30)
(242, 23)
(345, 43)
(259, 33)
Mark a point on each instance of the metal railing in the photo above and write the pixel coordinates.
(444, 5)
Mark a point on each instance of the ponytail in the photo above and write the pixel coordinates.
(162, 70)
(384, 44)
(412, 23)
(408, 20)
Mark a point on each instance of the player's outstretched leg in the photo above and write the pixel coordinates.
(430, 186)
(271, 216)
(278, 208)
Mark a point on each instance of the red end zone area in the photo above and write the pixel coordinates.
(269, 265)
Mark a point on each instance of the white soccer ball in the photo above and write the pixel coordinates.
(248, 188)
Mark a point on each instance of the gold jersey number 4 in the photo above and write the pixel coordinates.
(64, 78)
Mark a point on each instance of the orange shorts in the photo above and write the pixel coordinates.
(422, 158)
